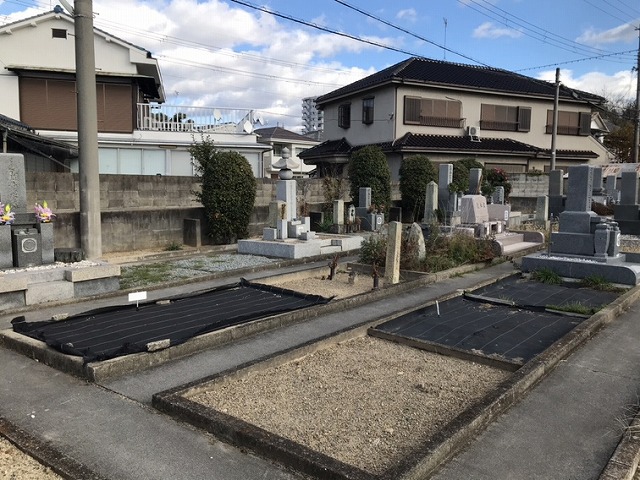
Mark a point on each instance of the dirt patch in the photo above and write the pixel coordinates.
(344, 284)
(16, 464)
(366, 402)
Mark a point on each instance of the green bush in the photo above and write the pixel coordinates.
(416, 172)
(373, 250)
(444, 251)
(228, 190)
(496, 177)
(368, 167)
(461, 170)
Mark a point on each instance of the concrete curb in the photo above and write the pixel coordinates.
(42, 451)
(625, 459)
(110, 369)
(419, 464)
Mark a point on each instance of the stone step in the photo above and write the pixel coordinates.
(509, 238)
(518, 247)
(51, 291)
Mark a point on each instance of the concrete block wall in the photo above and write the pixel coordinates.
(142, 211)
(528, 185)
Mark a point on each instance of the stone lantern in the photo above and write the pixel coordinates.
(286, 164)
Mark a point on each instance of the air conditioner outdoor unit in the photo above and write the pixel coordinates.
(473, 131)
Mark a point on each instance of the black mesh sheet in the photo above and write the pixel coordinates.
(116, 331)
(530, 294)
(515, 334)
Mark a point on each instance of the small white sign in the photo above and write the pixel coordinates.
(137, 296)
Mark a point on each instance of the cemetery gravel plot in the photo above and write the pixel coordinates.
(366, 402)
(16, 464)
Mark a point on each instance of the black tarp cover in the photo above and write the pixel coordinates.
(116, 331)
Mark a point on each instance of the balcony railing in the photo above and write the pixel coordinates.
(180, 118)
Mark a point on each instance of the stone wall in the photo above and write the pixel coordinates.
(142, 211)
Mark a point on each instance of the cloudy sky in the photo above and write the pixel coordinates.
(269, 54)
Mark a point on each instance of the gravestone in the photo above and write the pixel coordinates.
(611, 184)
(446, 199)
(598, 186)
(577, 223)
(556, 192)
(627, 212)
(498, 195)
(338, 212)
(371, 221)
(416, 248)
(542, 210)
(431, 203)
(475, 181)
(473, 209)
(28, 238)
(392, 264)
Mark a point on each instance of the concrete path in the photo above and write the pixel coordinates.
(566, 428)
(570, 424)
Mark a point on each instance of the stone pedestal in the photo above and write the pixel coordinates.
(46, 242)
(6, 253)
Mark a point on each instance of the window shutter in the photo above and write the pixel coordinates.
(524, 119)
(412, 110)
(585, 123)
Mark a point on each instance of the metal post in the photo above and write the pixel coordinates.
(554, 130)
(636, 134)
(89, 179)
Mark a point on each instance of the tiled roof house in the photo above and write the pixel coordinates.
(449, 111)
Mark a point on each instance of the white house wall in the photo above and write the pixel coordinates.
(9, 100)
(33, 46)
(381, 130)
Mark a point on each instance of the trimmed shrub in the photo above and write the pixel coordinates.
(368, 167)
(461, 170)
(373, 250)
(228, 191)
(496, 177)
(416, 172)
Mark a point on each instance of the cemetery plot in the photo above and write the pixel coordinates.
(117, 331)
(505, 321)
(354, 407)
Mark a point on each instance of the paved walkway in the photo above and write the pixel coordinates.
(566, 428)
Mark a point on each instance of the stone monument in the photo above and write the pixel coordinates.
(24, 242)
(585, 244)
(371, 221)
(627, 212)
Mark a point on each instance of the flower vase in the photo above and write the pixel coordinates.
(46, 242)
(6, 251)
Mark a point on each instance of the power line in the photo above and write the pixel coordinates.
(325, 29)
(415, 35)
(576, 61)
(537, 33)
(606, 12)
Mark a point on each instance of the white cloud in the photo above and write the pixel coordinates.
(409, 14)
(621, 33)
(489, 30)
(620, 85)
(213, 54)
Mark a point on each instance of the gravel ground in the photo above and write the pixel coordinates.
(16, 465)
(366, 401)
(342, 286)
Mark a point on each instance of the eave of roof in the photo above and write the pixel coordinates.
(423, 71)
(414, 143)
(279, 133)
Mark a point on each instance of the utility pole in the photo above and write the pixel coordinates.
(636, 133)
(90, 222)
(554, 126)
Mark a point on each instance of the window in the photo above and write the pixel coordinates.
(367, 111)
(570, 123)
(58, 33)
(432, 112)
(503, 117)
(344, 115)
